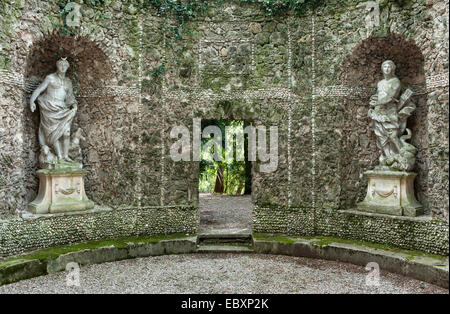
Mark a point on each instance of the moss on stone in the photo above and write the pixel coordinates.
(53, 252)
(214, 78)
(273, 237)
(11, 262)
(326, 241)
(20, 269)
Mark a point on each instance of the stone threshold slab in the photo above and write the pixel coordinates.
(226, 233)
(223, 249)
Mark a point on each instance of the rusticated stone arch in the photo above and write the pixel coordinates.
(362, 66)
(361, 70)
(89, 64)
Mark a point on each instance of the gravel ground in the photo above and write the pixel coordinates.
(225, 212)
(222, 273)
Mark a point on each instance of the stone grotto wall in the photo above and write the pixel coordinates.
(310, 75)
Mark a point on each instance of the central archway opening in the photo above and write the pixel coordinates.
(225, 177)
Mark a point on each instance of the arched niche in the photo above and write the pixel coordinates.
(90, 71)
(89, 64)
(362, 66)
(361, 70)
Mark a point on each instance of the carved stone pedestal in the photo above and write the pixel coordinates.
(60, 190)
(391, 193)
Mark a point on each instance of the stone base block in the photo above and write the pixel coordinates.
(391, 193)
(60, 190)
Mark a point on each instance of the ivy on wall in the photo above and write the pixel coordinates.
(183, 11)
(180, 12)
(279, 7)
(186, 10)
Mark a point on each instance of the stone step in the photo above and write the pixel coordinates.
(225, 241)
(224, 249)
(228, 236)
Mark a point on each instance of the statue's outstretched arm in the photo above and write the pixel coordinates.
(42, 87)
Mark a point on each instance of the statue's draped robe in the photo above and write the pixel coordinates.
(389, 120)
(56, 116)
(385, 117)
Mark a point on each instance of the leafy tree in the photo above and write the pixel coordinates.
(232, 178)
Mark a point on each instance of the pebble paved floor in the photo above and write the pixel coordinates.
(225, 212)
(222, 273)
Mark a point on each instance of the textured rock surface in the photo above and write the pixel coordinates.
(311, 76)
(26, 234)
(423, 234)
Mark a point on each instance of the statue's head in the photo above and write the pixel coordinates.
(388, 68)
(62, 65)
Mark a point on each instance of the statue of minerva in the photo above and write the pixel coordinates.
(390, 188)
(389, 112)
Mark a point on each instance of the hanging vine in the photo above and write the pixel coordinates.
(181, 12)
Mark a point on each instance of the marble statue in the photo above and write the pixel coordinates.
(61, 179)
(389, 112)
(391, 184)
(57, 106)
